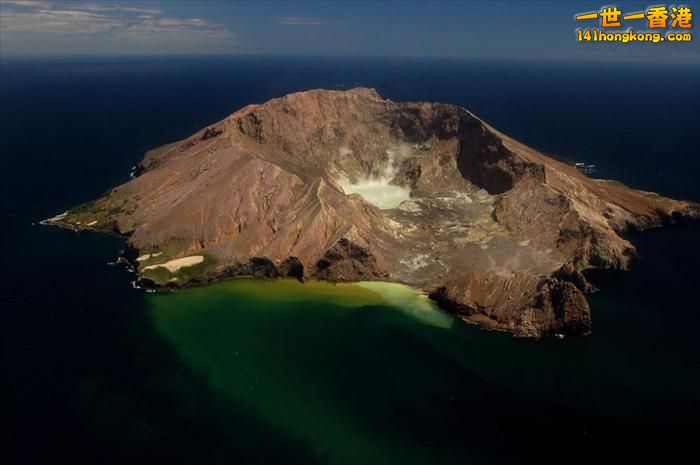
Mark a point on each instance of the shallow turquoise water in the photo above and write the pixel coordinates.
(308, 359)
(375, 373)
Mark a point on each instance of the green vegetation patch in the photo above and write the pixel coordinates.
(99, 212)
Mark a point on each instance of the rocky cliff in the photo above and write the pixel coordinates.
(348, 186)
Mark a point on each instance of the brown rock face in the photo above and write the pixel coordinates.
(494, 230)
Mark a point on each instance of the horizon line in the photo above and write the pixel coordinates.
(588, 59)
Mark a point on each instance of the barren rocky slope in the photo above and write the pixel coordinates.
(494, 230)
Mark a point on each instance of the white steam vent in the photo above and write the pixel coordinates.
(377, 190)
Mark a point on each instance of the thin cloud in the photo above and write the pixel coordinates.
(300, 21)
(48, 5)
(103, 20)
(114, 7)
(27, 3)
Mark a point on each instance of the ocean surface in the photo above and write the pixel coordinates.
(245, 371)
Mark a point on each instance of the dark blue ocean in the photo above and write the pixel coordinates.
(89, 378)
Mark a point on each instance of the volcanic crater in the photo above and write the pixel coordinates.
(348, 186)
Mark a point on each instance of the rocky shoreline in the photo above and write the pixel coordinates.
(493, 231)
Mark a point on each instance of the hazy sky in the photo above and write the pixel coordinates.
(495, 29)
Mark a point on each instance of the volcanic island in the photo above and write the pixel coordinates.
(347, 186)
